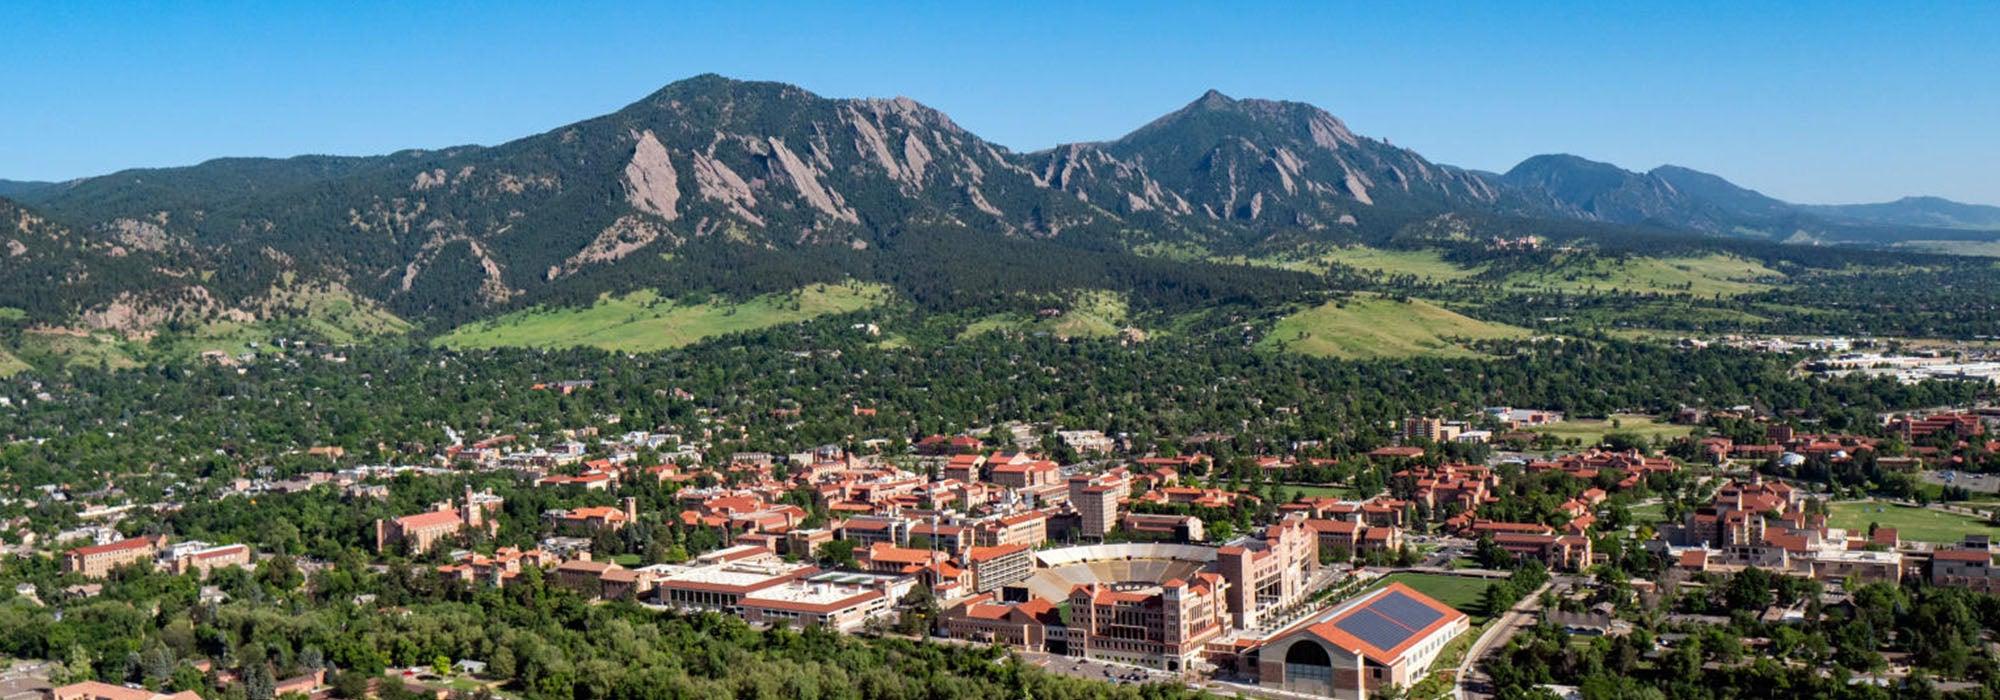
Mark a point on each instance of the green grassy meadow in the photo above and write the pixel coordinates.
(644, 321)
(1371, 327)
(1704, 276)
(1090, 314)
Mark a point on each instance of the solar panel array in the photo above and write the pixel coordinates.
(1371, 627)
(1389, 620)
(1402, 608)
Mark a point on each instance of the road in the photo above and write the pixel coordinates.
(1472, 681)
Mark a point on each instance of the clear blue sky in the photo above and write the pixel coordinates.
(1835, 102)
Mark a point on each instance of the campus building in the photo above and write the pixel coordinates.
(836, 605)
(200, 558)
(97, 561)
(93, 690)
(1386, 638)
(993, 567)
(1268, 571)
(422, 531)
(720, 583)
(1096, 502)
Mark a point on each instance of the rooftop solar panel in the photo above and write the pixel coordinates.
(1371, 627)
(1404, 609)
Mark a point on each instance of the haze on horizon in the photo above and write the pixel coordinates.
(1808, 102)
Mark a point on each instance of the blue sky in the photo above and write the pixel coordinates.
(1810, 102)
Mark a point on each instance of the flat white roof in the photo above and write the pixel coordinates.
(734, 574)
(807, 594)
(1860, 555)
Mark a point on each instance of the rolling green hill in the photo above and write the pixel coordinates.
(1370, 327)
(645, 320)
(1089, 314)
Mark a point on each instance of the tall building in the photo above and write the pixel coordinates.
(993, 567)
(1268, 571)
(1096, 502)
(1432, 429)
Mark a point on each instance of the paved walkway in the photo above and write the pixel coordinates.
(1472, 682)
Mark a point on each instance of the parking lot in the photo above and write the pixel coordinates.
(24, 680)
(1976, 483)
(1097, 670)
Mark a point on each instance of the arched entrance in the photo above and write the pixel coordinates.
(1308, 667)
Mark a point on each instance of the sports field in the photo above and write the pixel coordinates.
(1592, 432)
(1911, 523)
(1460, 592)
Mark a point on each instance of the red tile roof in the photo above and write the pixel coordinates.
(119, 546)
(1332, 633)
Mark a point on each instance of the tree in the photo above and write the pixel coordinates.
(920, 612)
(259, 683)
(838, 554)
(501, 663)
(1749, 590)
(1491, 555)
(77, 665)
(1497, 598)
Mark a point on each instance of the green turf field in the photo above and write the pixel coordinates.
(1912, 524)
(1461, 592)
(1651, 513)
(1342, 492)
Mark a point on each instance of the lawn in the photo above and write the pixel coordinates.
(1704, 276)
(1912, 524)
(1343, 492)
(1592, 432)
(1461, 592)
(1366, 327)
(643, 321)
(1651, 513)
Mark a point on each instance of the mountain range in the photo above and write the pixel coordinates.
(709, 175)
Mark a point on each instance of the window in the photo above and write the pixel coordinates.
(1308, 661)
